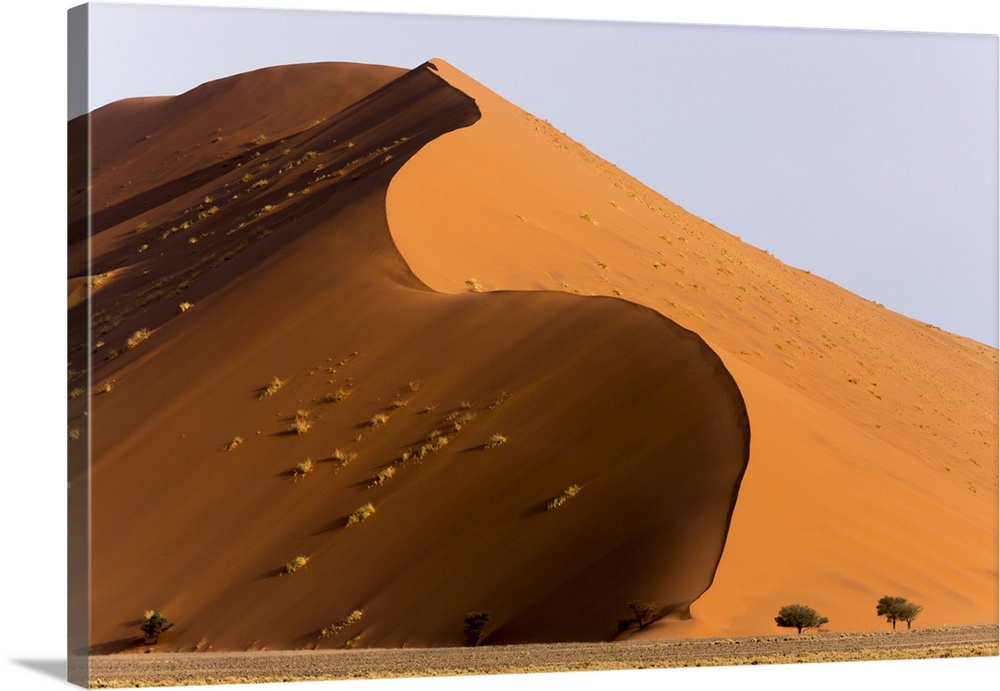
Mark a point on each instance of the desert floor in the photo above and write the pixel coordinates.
(181, 669)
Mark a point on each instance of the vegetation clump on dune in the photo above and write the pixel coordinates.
(567, 494)
(301, 424)
(494, 441)
(272, 388)
(361, 513)
(136, 338)
(341, 624)
(296, 564)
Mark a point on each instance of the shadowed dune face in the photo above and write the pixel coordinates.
(874, 457)
(219, 267)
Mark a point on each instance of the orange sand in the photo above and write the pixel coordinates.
(324, 224)
(873, 464)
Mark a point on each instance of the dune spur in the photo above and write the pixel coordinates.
(242, 227)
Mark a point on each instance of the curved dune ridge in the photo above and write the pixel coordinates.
(263, 365)
(874, 454)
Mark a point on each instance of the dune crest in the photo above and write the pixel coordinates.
(874, 457)
(296, 443)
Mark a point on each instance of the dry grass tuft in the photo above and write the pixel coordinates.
(474, 286)
(185, 306)
(494, 441)
(378, 419)
(234, 443)
(361, 513)
(338, 626)
(301, 424)
(136, 338)
(341, 458)
(296, 564)
(567, 494)
(304, 468)
(337, 396)
(383, 475)
(272, 388)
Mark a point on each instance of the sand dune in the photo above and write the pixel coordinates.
(239, 241)
(873, 465)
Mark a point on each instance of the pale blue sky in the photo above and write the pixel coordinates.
(866, 157)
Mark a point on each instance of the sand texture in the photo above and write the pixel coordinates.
(873, 464)
(265, 364)
(317, 288)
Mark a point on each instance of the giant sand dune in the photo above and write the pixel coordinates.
(235, 243)
(423, 268)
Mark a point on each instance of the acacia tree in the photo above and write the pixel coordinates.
(895, 608)
(799, 617)
(642, 613)
(908, 611)
(475, 622)
(153, 625)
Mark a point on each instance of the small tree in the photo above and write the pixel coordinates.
(641, 614)
(799, 617)
(153, 625)
(475, 623)
(907, 612)
(895, 608)
(888, 607)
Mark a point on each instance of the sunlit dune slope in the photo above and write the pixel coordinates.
(262, 363)
(873, 464)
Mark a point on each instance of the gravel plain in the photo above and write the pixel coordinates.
(181, 669)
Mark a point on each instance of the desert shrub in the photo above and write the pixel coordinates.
(296, 564)
(272, 388)
(234, 443)
(301, 424)
(474, 286)
(304, 468)
(494, 441)
(185, 306)
(338, 626)
(154, 625)
(799, 617)
(74, 433)
(136, 338)
(342, 458)
(383, 475)
(378, 419)
(397, 404)
(361, 513)
(475, 624)
(567, 494)
(337, 396)
(641, 613)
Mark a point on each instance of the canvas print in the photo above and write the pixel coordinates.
(375, 370)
